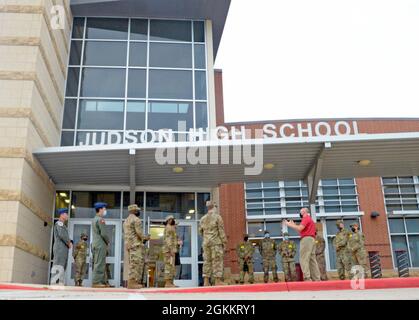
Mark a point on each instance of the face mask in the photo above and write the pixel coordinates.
(172, 223)
(137, 213)
(246, 238)
(286, 238)
(353, 229)
(267, 235)
(105, 213)
(85, 239)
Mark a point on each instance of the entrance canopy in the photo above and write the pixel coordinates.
(311, 159)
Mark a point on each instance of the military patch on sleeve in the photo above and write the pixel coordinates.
(350, 236)
(59, 223)
(290, 246)
(317, 241)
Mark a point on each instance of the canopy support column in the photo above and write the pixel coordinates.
(312, 179)
(132, 183)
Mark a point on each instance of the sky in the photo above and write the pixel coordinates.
(299, 59)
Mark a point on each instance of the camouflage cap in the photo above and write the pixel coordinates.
(133, 207)
(338, 222)
(355, 224)
(210, 203)
(285, 234)
(169, 217)
(83, 235)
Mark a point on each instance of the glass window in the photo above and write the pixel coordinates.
(170, 84)
(139, 29)
(170, 30)
(274, 228)
(414, 250)
(200, 85)
(396, 225)
(391, 180)
(139, 201)
(82, 204)
(255, 229)
(138, 54)
(412, 225)
(398, 243)
(405, 179)
(67, 138)
(101, 114)
(98, 82)
(200, 62)
(271, 193)
(199, 31)
(69, 118)
(201, 115)
(78, 28)
(253, 193)
(72, 82)
(102, 53)
(170, 115)
(75, 52)
(170, 55)
(62, 200)
(180, 205)
(332, 253)
(135, 115)
(346, 181)
(137, 83)
(107, 28)
(270, 184)
(253, 185)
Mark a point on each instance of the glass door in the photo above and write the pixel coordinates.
(187, 271)
(113, 228)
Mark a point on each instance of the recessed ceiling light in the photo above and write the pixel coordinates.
(269, 166)
(178, 169)
(192, 211)
(67, 201)
(64, 195)
(188, 217)
(364, 163)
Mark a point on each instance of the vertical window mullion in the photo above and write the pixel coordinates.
(147, 107)
(126, 80)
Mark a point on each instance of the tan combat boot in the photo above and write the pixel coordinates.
(169, 284)
(219, 282)
(206, 282)
(132, 284)
(99, 285)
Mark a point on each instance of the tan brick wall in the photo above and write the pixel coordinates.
(33, 59)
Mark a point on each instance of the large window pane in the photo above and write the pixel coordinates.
(414, 250)
(135, 115)
(200, 62)
(170, 84)
(255, 229)
(332, 253)
(274, 228)
(104, 28)
(101, 114)
(75, 52)
(83, 202)
(102, 53)
(139, 29)
(412, 225)
(67, 138)
(69, 118)
(170, 55)
(98, 82)
(170, 115)
(138, 54)
(201, 115)
(396, 225)
(137, 83)
(168, 30)
(78, 28)
(139, 201)
(72, 82)
(199, 31)
(200, 85)
(180, 205)
(398, 243)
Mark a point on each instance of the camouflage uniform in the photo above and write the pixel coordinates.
(245, 251)
(343, 256)
(356, 246)
(267, 249)
(287, 249)
(211, 228)
(134, 237)
(320, 258)
(80, 255)
(170, 247)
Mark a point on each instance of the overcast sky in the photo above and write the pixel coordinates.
(294, 59)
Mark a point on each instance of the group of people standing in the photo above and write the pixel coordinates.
(350, 250)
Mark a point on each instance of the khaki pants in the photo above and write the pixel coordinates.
(308, 259)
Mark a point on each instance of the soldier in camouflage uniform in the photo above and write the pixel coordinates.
(99, 246)
(134, 242)
(287, 249)
(211, 228)
(320, 258)
(80, 255)
(245, 251)
(343, 255)
(170, 248)
(267, 249)
(356, 246)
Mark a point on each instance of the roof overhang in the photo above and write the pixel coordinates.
(214, 10)
(293, 159)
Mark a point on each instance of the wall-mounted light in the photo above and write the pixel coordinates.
(364, 163)
(269, 166)
(375, 214)
(178, 170)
